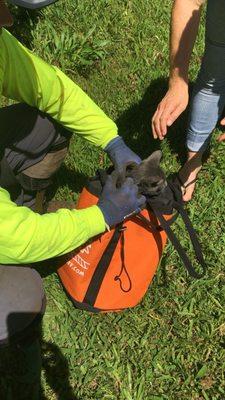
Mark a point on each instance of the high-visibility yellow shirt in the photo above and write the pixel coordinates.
(26, 236)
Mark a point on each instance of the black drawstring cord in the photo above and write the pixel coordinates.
(123, 266)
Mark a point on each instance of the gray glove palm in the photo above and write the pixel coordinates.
(119, 203)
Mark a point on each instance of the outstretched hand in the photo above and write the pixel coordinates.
(169, 109)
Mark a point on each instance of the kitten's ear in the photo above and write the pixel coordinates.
(154, 159)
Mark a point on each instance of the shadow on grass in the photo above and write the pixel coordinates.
(20, 366)
(24, 22)
(56, 370)
(74, 180)
(135, 124)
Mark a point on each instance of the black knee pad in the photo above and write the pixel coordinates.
(29, 135)
(22, 304)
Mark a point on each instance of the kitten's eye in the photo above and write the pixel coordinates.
(157, 183)
(154, 184)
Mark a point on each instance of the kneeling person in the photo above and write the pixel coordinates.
(34, 137)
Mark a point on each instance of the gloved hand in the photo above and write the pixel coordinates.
(116, 203)
(120, 154)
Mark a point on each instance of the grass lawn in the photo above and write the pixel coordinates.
(172, 345)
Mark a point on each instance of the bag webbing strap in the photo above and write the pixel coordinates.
(150, 225)
(194, 239)
(101, 269)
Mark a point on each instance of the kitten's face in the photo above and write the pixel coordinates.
(148, 175)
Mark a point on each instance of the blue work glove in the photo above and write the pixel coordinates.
(120, 154)
(119, 203)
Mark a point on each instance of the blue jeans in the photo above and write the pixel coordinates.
(208, 98)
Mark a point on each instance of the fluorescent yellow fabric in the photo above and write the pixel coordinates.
(27, 78)
(26, 236)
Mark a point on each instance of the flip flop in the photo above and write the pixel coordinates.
(184, 186)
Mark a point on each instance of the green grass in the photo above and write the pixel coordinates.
(172, 345)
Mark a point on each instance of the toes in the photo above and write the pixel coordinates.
(187, 198)
(188, 193)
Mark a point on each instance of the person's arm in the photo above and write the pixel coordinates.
(28, 237)
(27, 78)
(184, 28)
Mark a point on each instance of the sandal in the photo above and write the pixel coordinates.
(184, 186)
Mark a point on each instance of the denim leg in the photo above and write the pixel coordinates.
(208, 98)
(206, 108)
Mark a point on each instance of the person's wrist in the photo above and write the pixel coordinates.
(177, 82)
(106, 209)
(107, 226)
(114, 144)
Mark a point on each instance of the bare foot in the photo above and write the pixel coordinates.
(188, 174)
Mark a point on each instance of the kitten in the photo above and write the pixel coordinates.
(148, 175)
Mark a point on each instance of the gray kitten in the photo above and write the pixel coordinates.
(148, 175)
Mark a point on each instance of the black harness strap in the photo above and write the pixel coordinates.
(194, 239)
(165, 203)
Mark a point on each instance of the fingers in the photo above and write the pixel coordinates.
(156, 125)
(160, 120)
(110, 183)
(174, 115)
(169, 109)
(130, 185)
(118, 177)
(222, 122)
(116, 181)
(128, 182)
(141, 201)
(221, 138)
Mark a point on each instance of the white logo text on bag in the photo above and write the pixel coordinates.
(78, 264)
